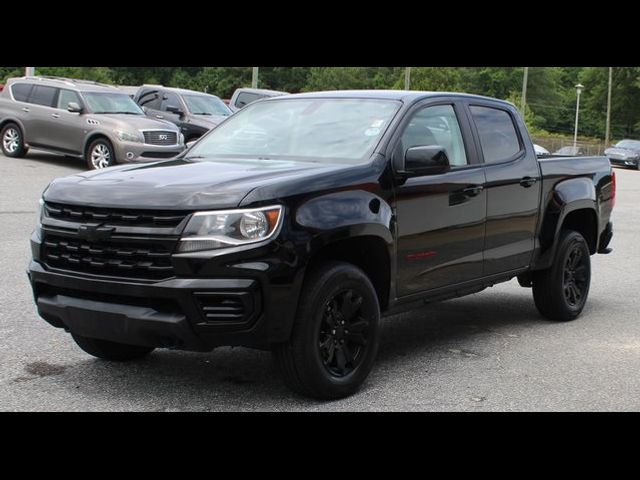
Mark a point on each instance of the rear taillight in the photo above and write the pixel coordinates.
(613, 189)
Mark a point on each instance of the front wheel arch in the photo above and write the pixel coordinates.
(91, 141)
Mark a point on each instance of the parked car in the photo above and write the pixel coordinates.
(541, 151)
(129, 90)
(625, 153)
(195, 113)
(244, 96)
(298, 222)
(1, 87)
(569, 152)
(81, 119)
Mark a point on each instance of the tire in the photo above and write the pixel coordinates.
(115, 352)
(560, 293)
(100, 154)
(323, 359)
(12, 141)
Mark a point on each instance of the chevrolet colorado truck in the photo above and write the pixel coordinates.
(301, 220)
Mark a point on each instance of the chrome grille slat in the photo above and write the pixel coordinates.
(154, 137)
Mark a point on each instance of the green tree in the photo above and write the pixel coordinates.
(437, 79)
(625, 101)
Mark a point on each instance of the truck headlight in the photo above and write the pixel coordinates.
(230, 228)
(126, 136)
(38, 229)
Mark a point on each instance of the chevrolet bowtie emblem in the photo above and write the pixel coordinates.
(95, 233)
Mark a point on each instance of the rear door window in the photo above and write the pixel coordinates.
(498, 135)
(21, 91)
(44, 96)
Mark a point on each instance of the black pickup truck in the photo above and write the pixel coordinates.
(299, 221)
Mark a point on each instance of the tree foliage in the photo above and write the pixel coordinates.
(551, 93)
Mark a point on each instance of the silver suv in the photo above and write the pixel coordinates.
(97, 122)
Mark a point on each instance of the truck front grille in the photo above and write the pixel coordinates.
(154, 137)
(144, 259)
(115, 217)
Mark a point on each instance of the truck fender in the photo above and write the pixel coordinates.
(337, 218)
(566, 197)
(354, 211)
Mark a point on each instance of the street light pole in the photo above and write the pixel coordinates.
(608, 128)
(579, 88)
(407, 78)
(254, 78)
(29, 71)
(525, 81)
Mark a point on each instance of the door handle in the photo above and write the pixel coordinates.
(55, 115)
(473, 191)
(527, 182)
(25, 109)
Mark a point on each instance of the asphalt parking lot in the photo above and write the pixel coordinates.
(487, 352)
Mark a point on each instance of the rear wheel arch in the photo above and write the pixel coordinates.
(579, 216)
(583, 221)
(18, 123)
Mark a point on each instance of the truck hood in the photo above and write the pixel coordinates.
(188, 185)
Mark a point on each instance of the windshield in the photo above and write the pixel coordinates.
(112, 103)
(631, 144)
(206, 105)
(314, 129)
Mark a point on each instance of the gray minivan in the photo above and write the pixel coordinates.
(97, 122)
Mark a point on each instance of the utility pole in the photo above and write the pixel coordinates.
(525, 81)
(579, 88)
(407, 78)
(608, 128)
(254, 78)
(29, 71)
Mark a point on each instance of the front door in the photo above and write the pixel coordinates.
(68, 130)
(440, 218)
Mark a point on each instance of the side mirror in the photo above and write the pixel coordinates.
(420, 161)
(73, 107)
(174, 109)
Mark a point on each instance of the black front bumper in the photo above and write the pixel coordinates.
(181, 313)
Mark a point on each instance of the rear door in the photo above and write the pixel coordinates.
(440, 218)
(513, 186)
(41, 112)
(22, 110)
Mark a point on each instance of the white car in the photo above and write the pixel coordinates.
(541, 151)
